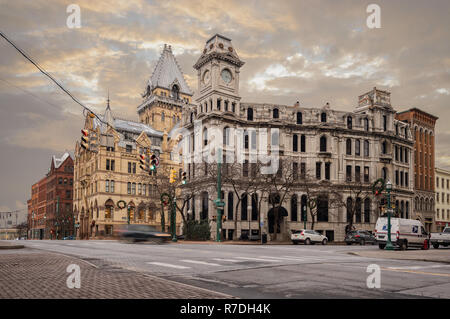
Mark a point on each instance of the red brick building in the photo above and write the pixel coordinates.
(50, 207)
(423, 129)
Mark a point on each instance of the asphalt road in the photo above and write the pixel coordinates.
(269, 271)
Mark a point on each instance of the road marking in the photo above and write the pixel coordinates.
(199, 262)
(259, 259)
(418, 272)
(230, 260)
(418, 267)
(286, 258)
(168, 265)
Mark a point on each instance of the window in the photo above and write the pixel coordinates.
(348, 173)
(323, 144)
(244, 207)
(358, 210)
(245, 169)
(139, 189)
(107, 186)
(384, 147)
(129, 167)
(226, 106)
(295, 143)
(303, 170)
(129, 188)
(303, 143)
(327, 171)
(294, 208)
(349, 122)
(129, 148)
(276, 113)
(134, 168)
(246, 140)
(367, 210)
(396, 152)
(133, 189)
(406, 155)
(111, 186)
(384, 123)
(366, 174)
(323, 117)
(230, 206)
(348, 146)
(60, 180)
(358, 174)
(205, 137)
(396, 177)
(299, 118)
(402, 178)
(112, 164)
(226, 136)
(384, 173)
(68, 194)
(318, 169)
(163, 117)
(218, 104)
(295, 170)
(366, 124)
(357, 147)
(366, 148)
(249, 114)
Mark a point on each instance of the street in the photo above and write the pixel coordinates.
(269, 271)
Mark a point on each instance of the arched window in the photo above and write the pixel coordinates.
(322, 208)
(244, 211)
(323, 143)
(358, 210)
(295, 143)
(230, 206)
(384, 173)
(299, 118)
(276, 113)
(349, 209)
(205, 136)
(302, 143)
(367, 210)
(254, 207)
(249, 114)
(175, 92)
(349, 122)
(294, 210)
(323, 117)
(348, 146)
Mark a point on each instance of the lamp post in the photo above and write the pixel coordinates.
(219, 203)
(128, 214)
(304, 215)
(174, 219)
(389, 245)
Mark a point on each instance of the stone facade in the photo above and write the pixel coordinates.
(109, 186)
(337, 146)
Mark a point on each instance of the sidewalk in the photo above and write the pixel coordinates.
(434, 255)
(244, 242)
(10, 244)
(31, 274)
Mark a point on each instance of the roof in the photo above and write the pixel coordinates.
(58, 161)
(415, 109)
(167, 72)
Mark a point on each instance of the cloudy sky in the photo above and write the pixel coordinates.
(311, 51)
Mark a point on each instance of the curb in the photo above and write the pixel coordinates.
(12, 246)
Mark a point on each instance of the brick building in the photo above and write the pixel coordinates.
(423, 128)
(50, 207)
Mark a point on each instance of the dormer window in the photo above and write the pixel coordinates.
(276, 113)
(249, 114)
(175, 92)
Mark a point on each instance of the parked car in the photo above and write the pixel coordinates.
(308, 237)
(443, 238)
(404, 233)
(134, 233)
(361, 237)
(68, 238)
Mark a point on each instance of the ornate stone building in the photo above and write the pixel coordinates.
(109, 182)
(337, 146)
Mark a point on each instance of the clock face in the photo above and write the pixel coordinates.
(206, 77)
(226, 76)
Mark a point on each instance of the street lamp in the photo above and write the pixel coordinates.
(389, 245)
(304, 215)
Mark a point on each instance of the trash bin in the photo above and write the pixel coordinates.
(264, 238)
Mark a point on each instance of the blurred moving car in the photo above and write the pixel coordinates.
(442, 238)
(68, 238)
(360, 237)
(308, 237)
(134, 233)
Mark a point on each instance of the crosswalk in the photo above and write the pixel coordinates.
(243, 261)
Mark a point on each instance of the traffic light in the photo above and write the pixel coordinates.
(142, 162)
(183, 178)
(85, 139)
(153, 162)
(173, 176)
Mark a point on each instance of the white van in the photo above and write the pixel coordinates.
(404, 233)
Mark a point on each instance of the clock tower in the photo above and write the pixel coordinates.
(218, 77)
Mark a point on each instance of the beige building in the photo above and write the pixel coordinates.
(110, 188)
(442, 188)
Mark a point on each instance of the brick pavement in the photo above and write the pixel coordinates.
(30, 274)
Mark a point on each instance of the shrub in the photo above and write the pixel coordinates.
(198, 230)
